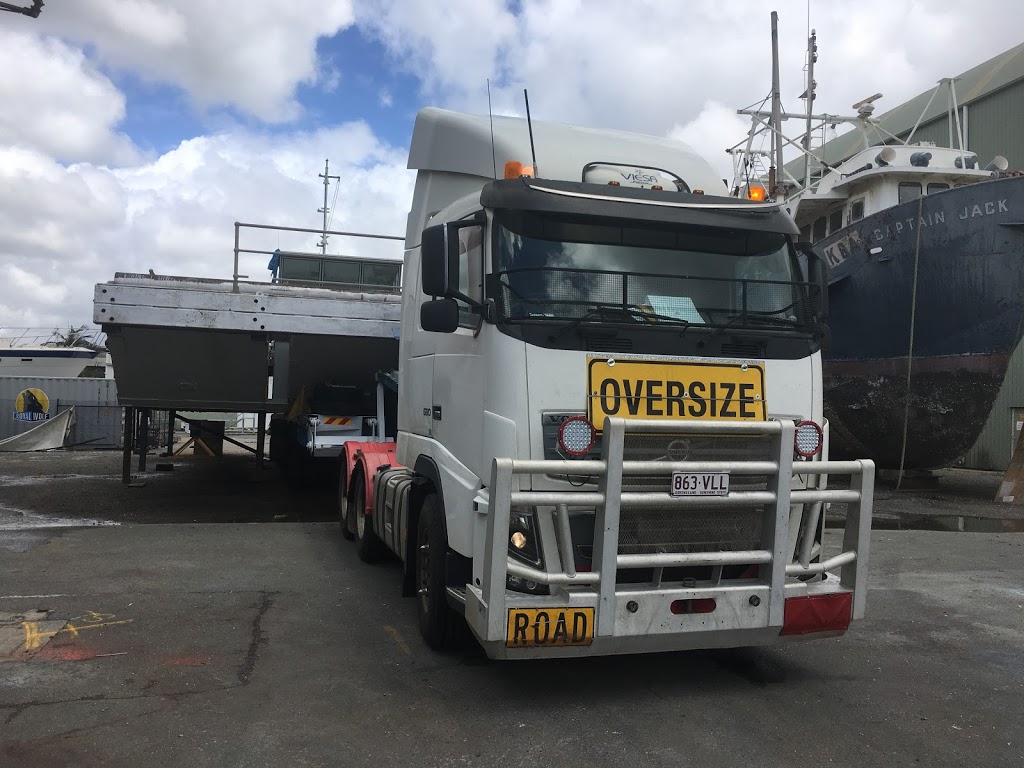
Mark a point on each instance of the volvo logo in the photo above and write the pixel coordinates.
(678, 450)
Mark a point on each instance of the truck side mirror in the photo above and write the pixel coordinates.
(439, 273)
(439, 315)
(817, 273)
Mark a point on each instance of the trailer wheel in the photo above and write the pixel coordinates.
(431, 584)
(368, 546)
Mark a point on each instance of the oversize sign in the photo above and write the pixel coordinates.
(642, 389)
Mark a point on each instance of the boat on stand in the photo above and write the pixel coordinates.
(925, 253)
(36, 353)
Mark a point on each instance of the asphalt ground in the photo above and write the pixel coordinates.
(201, 639)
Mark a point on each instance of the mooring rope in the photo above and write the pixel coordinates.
(910, 348)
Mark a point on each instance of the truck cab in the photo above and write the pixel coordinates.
(610, 430)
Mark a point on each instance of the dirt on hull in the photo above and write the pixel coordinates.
(950, 401)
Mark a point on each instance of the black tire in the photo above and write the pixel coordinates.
(347, 531)
(368, 546)
(431, 583)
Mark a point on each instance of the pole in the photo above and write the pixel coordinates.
(812, 56)
(261, 437)
(776, 107)
(235, 277)
(326, 176)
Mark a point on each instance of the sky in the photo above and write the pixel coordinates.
(133, 133)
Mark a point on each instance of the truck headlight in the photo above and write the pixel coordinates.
(523, 543)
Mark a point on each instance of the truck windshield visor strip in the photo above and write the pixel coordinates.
(639, 206)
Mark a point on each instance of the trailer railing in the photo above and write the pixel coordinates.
(777, 552)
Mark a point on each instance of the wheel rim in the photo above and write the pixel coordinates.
(423, 561)
(359, 510)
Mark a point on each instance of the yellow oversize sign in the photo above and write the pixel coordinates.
(641, 389)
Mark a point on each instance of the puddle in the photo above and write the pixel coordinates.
(21, 480)
(954, 523)
(15, 520)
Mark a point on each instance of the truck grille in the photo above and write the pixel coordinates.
(648, 531)
(697, 529)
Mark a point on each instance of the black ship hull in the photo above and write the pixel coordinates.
(967, 314)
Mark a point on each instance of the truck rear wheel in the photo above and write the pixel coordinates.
(344, 520)
(368, 546)
(431, 584)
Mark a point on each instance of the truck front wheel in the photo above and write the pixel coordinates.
(431, 584)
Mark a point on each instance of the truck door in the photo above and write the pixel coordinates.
(457, 416)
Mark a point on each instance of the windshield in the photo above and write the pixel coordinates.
(583, 269)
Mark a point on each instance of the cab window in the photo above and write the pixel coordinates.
(835, 221)
(471, 280)
(820, 228)
(857, 210)
(936, 187)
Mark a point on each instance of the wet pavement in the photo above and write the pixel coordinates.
(202, 640)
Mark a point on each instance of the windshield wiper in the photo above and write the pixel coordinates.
(762, 320)
(632, 311)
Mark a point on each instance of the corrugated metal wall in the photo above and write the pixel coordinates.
(995, 444)
(98, 417)
(995, 126)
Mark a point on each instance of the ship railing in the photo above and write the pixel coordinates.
(369, 286)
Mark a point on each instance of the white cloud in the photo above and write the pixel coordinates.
(242, 53)
(76, 203)
(658, 67)
(63, 229)
(57, 102)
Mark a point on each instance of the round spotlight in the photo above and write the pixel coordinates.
(576, 436)
(808, 439)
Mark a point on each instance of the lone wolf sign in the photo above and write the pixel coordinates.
(32, 405)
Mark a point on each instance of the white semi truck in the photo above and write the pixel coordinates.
(610, 435)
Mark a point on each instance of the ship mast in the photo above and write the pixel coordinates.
(812, 56)
(776, 164)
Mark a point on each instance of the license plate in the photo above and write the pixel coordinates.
(642, 389)
(549, 627)
(700, 484)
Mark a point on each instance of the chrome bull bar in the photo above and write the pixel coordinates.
(503, 494)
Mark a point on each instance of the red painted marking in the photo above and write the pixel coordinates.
(64, 653)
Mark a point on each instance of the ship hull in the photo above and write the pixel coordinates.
(967, 315)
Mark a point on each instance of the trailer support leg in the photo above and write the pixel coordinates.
(261, 437)
(143, 437)
(129, 444)
(170, 432)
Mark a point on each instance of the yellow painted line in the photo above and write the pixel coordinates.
(397, 636)
(34, 638)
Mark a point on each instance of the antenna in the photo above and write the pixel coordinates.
(490, 114)
(326, 176)
(529, 124)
